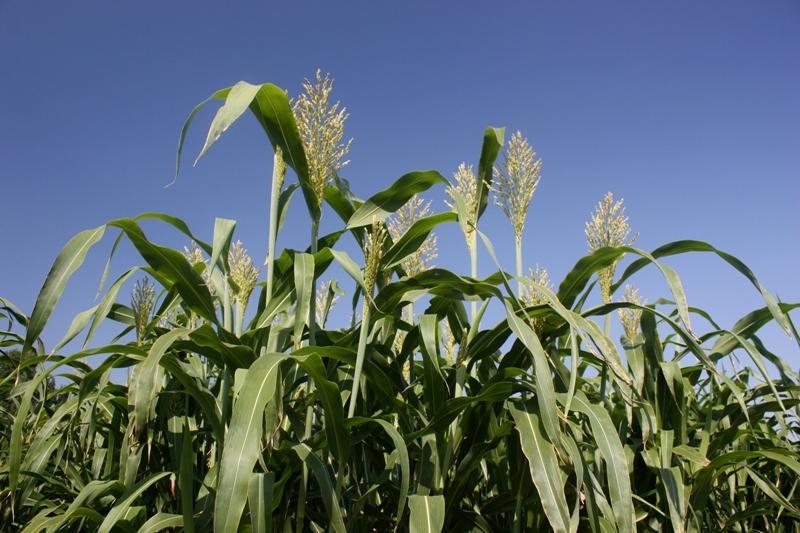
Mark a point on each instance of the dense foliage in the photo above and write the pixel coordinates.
(419, 415)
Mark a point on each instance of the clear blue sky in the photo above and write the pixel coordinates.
(689, 110)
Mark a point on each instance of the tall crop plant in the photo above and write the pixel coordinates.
(244, 410)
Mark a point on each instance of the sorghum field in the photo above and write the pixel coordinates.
(244, 411)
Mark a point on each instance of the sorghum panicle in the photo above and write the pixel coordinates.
(466, 187)
(321, 128)
(516, 180)
(373, 251)
(608, 227)
(242, 273)
(326, 299)
(630, 318)
(538, 277)
(398, 224)
(143, 300)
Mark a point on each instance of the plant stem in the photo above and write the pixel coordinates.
(275, 193)
(604, 373)
(312, 337)
(473, 269)
(518, 255)
(227, 378)
(238, 322)
(362, 348)
(312, 310)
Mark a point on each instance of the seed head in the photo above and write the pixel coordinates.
(407, 370)
(449, 342)
(538, 277)
(143, 299)
(399, 224)
(515, 181)
(327, 297)
(631, 318)
(321, 128)
(373, 251)
(463, 349)
(242, 273)
(193, 254)
(466, 188)
(278, 168)
(608, 227)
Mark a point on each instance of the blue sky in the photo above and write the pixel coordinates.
(688, 110)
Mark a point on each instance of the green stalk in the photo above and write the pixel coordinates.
(473, 269)
(227, 378)
(518, 508)
(604, 373)
(226, 307)
(312, 310)
(312, 337)
(362, 348)
(238, 322)
(408, 312)
(518, 255)
(277, 182)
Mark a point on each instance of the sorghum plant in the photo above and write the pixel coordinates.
(262, 414)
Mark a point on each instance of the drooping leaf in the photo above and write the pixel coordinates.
(543, 465)
(427, 514)
(492, 142)
(380, 205)
(242, 443)
(607, 439)
(69, 259)
(323, 478)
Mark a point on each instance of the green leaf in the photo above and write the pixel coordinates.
(303, 281)
(147, 380)
(492, 141)
(160, 522)
(326, 487)
(581, 273)
(680, 247)
(427, 514)
(205, 400)
(88, 495)
(218, 95)
(171, 268)
(413, 238)
(223, 233)
(546, 394)
(105, 305)
(78, 324)
(283, 204)
(242, 443)
(746, 327)
(437, 282)
(607, 439)
(349, 266)
(402, 452)
(435, 386)
(380, 205)
(274, 111)
(259, 499)
(271, 107)
(123, 504)
(676, 498)
(545, 472)
(706, 477)
(69, 259)
(237, 102)
(329, 393)
(186, 479)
